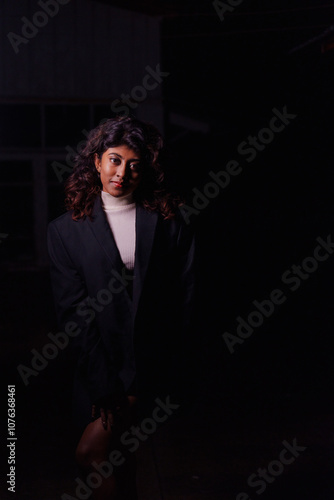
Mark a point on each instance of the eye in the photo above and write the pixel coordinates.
(114, 160)
(135, 166)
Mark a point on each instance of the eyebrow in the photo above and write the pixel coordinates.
(121, 157)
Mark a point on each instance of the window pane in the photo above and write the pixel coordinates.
(16, 171)
(101, 112)
(56, 196)
(64, 124)
(16, 208)
(20, 125)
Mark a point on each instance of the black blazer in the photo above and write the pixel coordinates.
(119, 341)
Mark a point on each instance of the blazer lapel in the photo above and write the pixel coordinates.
(102, 232)
(145, 230)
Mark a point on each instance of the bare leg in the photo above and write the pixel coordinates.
(95, 446)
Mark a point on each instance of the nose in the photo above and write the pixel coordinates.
(121, 170)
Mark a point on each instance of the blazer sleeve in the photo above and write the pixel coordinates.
(69, 290)
(186, 246)
(189, 349)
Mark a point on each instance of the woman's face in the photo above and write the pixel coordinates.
(119, 170)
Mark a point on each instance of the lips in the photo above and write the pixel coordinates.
(118, 184)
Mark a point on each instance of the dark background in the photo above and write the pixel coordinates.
(225, 79)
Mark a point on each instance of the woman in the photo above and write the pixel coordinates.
(122, 270)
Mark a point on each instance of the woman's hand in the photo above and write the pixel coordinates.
(110, 411)
(106, 409)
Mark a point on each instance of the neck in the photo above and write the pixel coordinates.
(116, 201)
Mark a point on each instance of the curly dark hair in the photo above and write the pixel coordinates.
(84, 185)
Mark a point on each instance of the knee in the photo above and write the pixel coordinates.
(85, 454)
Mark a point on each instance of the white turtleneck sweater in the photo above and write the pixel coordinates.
(121, 215)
